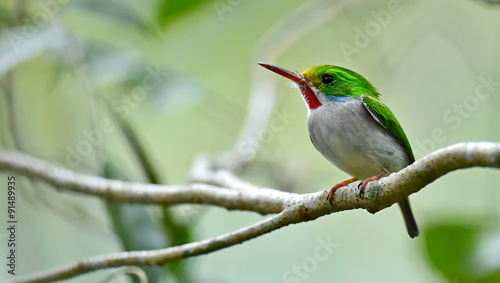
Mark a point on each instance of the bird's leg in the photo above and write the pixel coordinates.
(365, 182)
(336, 186)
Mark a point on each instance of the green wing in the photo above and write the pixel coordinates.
(384, 116)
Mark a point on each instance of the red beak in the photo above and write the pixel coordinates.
(295, 77)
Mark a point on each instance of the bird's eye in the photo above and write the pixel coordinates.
(327, 79)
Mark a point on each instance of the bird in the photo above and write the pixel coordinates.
(350, 126)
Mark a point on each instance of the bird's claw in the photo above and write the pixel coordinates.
(331, 192)
(330, 195)
(361, 188)
(365, 182)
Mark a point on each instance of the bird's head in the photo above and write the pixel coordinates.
(324, 84)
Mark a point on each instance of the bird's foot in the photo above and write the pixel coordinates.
(336, 186)
(365, 182)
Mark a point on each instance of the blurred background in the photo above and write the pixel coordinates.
(136, 90)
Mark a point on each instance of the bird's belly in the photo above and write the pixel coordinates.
(348, 136)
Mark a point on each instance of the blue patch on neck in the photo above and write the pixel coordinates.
(335, 98)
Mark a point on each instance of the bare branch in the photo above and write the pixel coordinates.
(261, 201)
(237, 194)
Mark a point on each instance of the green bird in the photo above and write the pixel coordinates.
(352, 128)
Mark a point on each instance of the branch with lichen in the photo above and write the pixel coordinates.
(219, 187)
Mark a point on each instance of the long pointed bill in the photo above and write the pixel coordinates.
(295, 77)
(307, 92)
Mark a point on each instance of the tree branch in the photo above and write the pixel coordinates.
(237, 194)
(261, 201)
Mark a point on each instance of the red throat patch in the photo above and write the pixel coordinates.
(309, 96)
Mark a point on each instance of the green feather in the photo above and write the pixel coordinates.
(347, 82)
(384, 116)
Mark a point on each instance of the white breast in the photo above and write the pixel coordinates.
(348, 136)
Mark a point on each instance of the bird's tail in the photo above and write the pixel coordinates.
(411, 224)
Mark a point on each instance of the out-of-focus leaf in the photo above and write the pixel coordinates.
(106, 66)
(16, 47)
(139, 151)
(103, 65)
(177, 94)
(176, 232)
(134, 226)
(116, 10)
(6, 19)
(170, 9)
(452, 250)
(492, 1)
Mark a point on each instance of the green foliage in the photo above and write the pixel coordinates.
(6, 18)
(133, 220)
(113, 10)
(453, 250)
(170, 9)
(134, 226)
